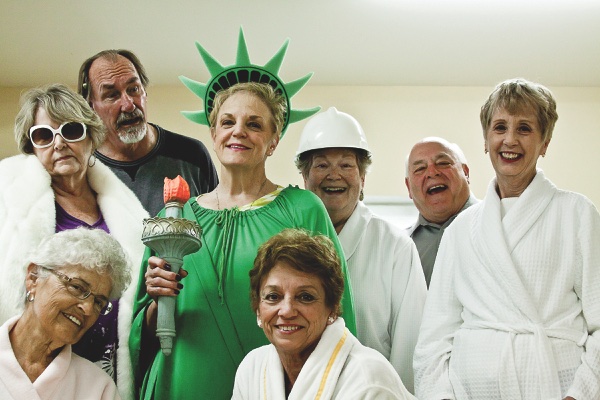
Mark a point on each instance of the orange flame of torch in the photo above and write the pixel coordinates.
(176, 190)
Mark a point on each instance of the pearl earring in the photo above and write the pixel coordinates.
(30, 296)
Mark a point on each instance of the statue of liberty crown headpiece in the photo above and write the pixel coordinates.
(244, 71)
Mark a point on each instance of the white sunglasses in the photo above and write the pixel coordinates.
(42, 136)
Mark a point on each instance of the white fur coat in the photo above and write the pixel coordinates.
(28, 214)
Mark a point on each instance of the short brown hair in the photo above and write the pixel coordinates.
(315, 255)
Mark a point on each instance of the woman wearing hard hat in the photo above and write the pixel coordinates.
(386, 278)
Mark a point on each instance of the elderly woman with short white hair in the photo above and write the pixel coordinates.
(71, 278)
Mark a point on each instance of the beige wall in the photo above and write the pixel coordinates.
(393, 119)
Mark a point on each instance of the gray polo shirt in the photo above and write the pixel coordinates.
(427, 237)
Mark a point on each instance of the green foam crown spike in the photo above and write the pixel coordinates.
(244, 71)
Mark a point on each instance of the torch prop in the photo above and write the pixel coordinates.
(171, 238)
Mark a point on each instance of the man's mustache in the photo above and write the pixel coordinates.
(128, 117)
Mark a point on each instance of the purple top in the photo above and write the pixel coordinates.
(65, 221)
(100, 342)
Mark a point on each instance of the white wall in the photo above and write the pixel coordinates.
(394, 118)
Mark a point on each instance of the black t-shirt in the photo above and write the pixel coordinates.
(173, 155)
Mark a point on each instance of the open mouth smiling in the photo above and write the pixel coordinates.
(334, 189)
(73, 319)
(288, 328)
(237, 147)
(510, 156)
(437, 189)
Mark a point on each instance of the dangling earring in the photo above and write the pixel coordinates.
(259, 322)
(91, 162)
(30, 296)
(361, 197)
(485, 151)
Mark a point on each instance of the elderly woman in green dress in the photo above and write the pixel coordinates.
(215, 325)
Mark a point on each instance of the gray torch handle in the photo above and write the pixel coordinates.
(165, 324)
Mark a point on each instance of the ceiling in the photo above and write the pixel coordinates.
(344, 42)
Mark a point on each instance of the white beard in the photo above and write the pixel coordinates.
(133, 134)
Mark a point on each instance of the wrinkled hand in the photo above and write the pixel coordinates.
(160, 280)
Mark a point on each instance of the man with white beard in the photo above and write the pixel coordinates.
(141, 154)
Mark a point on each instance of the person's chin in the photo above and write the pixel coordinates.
(131, 138)
(65, 170)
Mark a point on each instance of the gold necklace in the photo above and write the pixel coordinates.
(251, 204)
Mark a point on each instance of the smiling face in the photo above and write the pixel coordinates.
(515, 143)
(63, 318)
(334, 176)
(119, 98)
(437, 181)
(62, 159)
(292, 310)
(244, 135)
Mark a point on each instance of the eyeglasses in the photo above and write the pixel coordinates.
(42, 136)
(81, 290)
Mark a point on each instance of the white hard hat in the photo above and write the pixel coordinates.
(332, 128)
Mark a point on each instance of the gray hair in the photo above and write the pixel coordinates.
(91, 249)
(363, 160)
(517, 95)
(453, 147)
(62, 105)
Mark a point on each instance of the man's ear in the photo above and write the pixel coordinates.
(407, 187)
(466, 171)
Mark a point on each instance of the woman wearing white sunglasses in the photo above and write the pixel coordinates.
(57, 185)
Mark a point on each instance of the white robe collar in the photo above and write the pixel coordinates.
(354, 229)
(495, 240)
(47, 385)
(319, 375)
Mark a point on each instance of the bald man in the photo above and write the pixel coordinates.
(437, 179)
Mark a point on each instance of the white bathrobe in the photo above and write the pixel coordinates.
(339, 368)
(513, 310)
(28, 214)
(388, 287)
(68, 377)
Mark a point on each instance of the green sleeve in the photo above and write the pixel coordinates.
(141, 301)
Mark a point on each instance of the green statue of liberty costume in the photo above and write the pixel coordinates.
(215, 325)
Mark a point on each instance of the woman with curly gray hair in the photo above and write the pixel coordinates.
(71, 278)
(57, 185)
